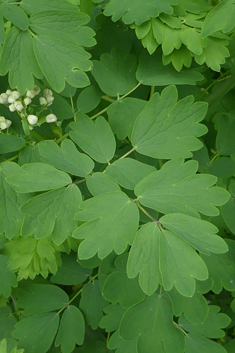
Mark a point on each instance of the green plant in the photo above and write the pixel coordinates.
(117, 176)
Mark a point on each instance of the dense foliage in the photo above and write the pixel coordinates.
(117, 176)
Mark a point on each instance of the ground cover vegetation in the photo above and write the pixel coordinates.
(117, 176)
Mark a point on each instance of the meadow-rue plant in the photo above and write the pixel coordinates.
(117, 176)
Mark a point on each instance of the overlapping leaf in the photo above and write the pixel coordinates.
(195, 343)
(15, 14)
(111, 321)
(176, 188)
(169, 129)
(100, 183)
(7, 278)
(33, 6)
(52, 213)
(111, 221)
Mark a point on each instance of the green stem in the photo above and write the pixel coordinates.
(108, 99)
(127, 154)
(215, 157)
(151, 92)
(10, 159)
(62, 138)
(101, 112)
(71, 300)
(148, 214)
(79, 181)
(180, 328)
(217, 80)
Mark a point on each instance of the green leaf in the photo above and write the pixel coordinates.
(230, 346)
(115, 72)
(226, 135)
(198, 344)
(144, 258)
(100, 183)
(138, 11)
(18, 58)
(7, 322)
(118, 288)
(153, 326)
(66, 158)
(71, 329)
(123, 346)
(10, 216)
(96, 139)
(151, 71)
(122, 115)
(52, 213)
(71, 272)
(92, 304)
(214, 20)
(195, 308)
(41, 298)
(228, 211)
(211, 326)
(113, 211)
(33, 177)
(36, 333)
(223, 167)
(74, 60)
(33, 6)
(10, 143)
(93, 346)
(221, 268)
(89, 98)
(176, 188)
(168, 129)
(7, 278)
(114, 314)
(15, 14)
(198, 233)
(128, 172)
(68, 24)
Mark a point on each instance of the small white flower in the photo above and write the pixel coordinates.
(47, 93)
(3, 98)
(30, 94)
(11, 99)
(8, 122)
(51, 118)
(15, 95)
(32, 119)
(50, 100)
(12, 107)
(42, 101)
(19, 106)
(36, 90)
(2, 119)
(27, 101)
(5, 124)
(8, 92)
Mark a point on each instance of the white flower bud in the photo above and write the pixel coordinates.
(27, 101)
(32, 119)
(19, 106)
(8, 122)
(15, 94)
(36, 90)
(3, 125)
(42, 101)
(47, 93)
(12, 108)
(8, 92)
(11, 99)
(3, 98)
(2, 119)
(50, 100)
(51, 118)
(30, 94)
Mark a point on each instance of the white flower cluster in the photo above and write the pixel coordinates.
(47, 98)
(4, 123)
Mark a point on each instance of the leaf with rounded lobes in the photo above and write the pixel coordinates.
(73, 61)
(52, 214)
(177, 188)
(169, 129)
(17, 58)
(11, 218)
(10, 143)
(71, 330)
(92, 304)
(122, 346)
(151, 71)
(118, 288)
(7, 278)
(198, 233)
(100, 183)
(96, 139)
(195, 308)
(214, 21)
(32, 177)
(198, 344)
(112, 220)
(33, 6)
(128, 172)
(138, 11)
(223, 167)
(115, 72)
(221, 268)
(153, 326)
(36, 333)
(144, 258)
(66, 158)
(111, 321)
(67, 24)
(71, 272)
(211, 326)
(15, 15)
(89, 98)
(122, 115)
(41, 298)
